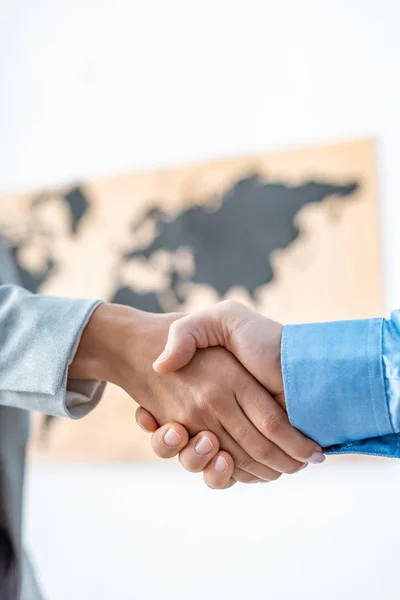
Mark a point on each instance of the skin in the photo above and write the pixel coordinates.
(216, 475)
(251, 337)
(213, 393)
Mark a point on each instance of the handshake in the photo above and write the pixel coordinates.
(214, 395)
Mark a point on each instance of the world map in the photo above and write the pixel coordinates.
(228, 245)
(292, 234)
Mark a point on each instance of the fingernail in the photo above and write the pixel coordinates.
(220, 464)
(203, 446)
(163, 356)
(316, 458)
(304, 466)
(171, 438)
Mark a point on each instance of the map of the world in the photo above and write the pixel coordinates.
(293, 234)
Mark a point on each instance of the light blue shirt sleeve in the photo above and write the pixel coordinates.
(391, 366)
(342, 384)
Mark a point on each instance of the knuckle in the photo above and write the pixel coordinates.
(207, 399)
(177, 326)
(231, 306)
(245, 464)
(228, 303)
(272, 422)
(264, 453)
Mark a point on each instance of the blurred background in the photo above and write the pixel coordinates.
(286, 92)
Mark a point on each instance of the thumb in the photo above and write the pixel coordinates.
(180, 347)
(185, 335)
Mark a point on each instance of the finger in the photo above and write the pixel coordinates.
(244, 477)
(218, 474)
(256, 445)
(201, 330)
(169, 440)
(243, 461)
(199, 452)
(272, 422)
(179, 349)
(145, 420)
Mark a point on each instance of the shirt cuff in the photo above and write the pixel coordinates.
(391, 365)
(40, 337)
(82, 396)
(333, 380)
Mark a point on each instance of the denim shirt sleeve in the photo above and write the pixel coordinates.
(342, 384)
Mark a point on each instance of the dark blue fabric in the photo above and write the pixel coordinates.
(6, 560)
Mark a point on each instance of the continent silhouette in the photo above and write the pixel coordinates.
(77, 205)
(231, 245)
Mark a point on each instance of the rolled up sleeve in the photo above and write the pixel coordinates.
(334, 381)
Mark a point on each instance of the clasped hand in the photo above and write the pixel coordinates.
(235, 412)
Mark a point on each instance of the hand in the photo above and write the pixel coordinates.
(200, 454)
(213, 393)
(254, 339)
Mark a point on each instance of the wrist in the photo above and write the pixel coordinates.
(119, 344)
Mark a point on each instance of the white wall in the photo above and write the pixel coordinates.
(95, 86)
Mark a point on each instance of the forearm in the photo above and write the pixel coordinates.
(117, 343)
(56, 353)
